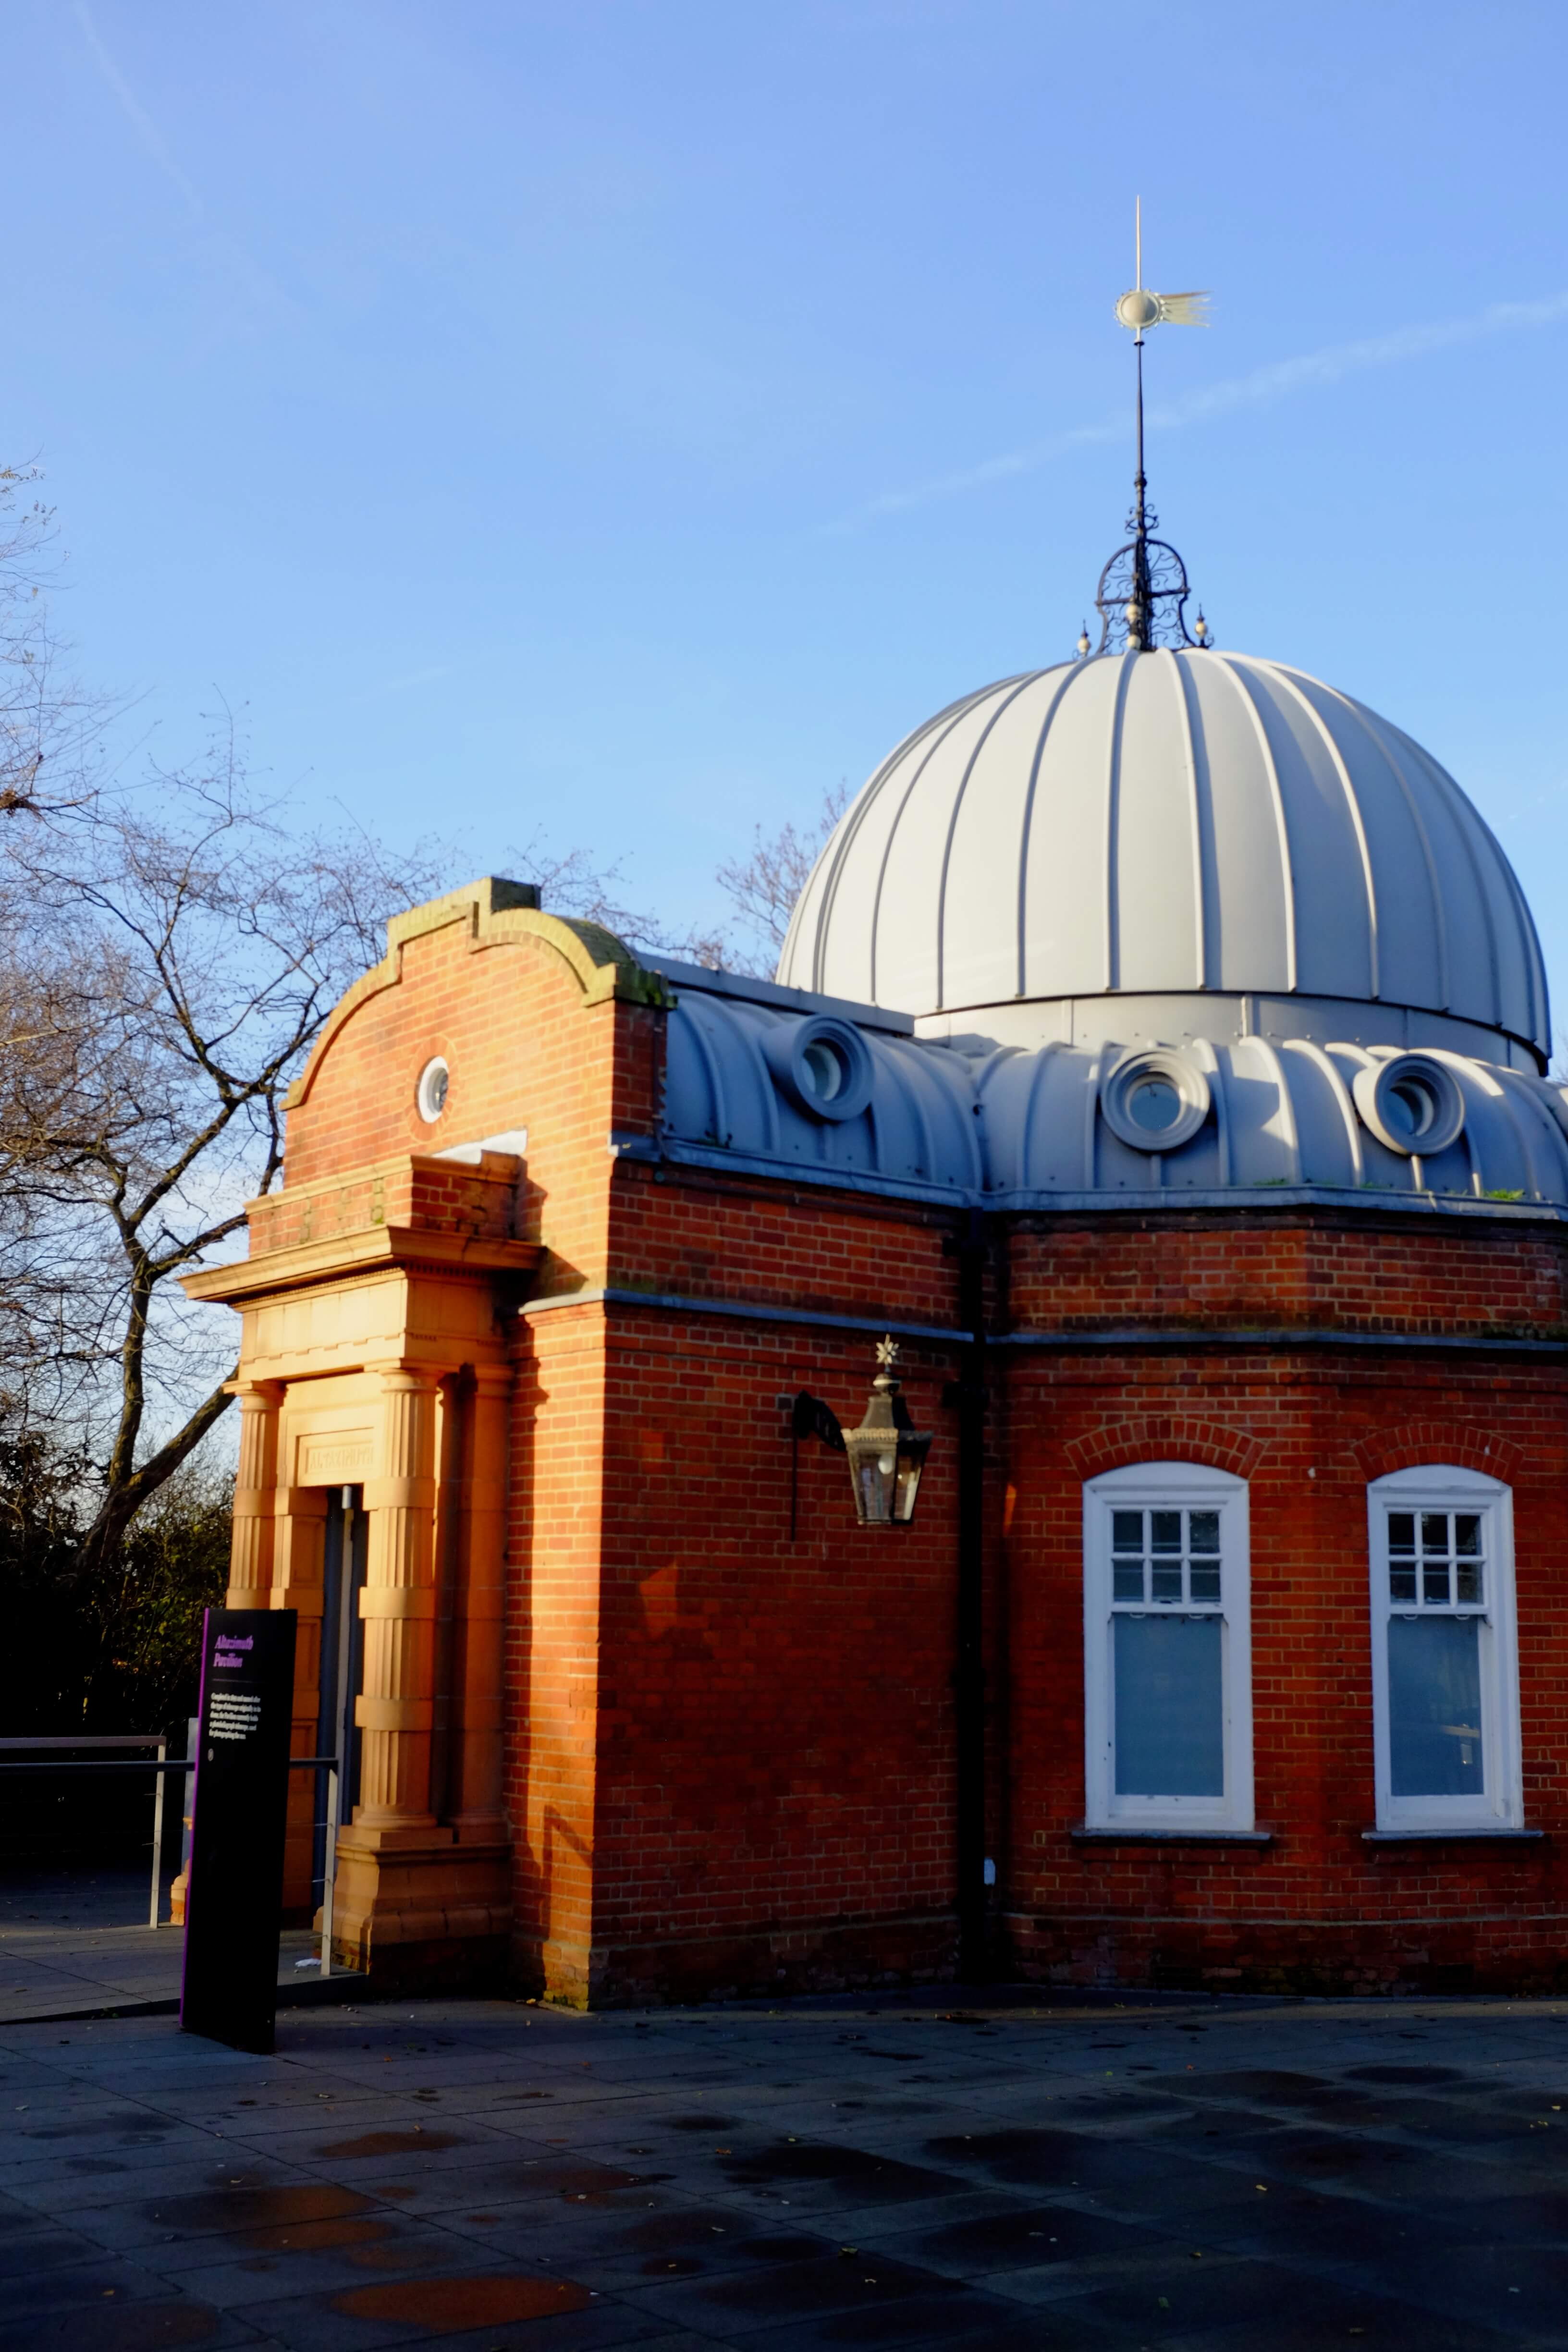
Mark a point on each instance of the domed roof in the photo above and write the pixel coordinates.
(1164, 823)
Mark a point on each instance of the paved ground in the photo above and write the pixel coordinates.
(484, 2175)
(77, 1940)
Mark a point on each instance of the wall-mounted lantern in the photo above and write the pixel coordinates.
(886, 1453)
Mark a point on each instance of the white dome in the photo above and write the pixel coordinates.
(1162, 825)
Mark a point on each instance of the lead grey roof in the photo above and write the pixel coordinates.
(1162, 824)
(1019, 1128)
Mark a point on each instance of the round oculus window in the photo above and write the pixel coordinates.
(823, 1064)
(1154, 1100)
(1154, 1103)
(1412, 1103)
(430, 1095)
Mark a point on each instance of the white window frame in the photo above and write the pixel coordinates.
(1175, 1486)
(1443, 1486)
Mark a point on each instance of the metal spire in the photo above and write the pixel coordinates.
(1143, 591)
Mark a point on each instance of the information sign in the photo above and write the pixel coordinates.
(235, 1903)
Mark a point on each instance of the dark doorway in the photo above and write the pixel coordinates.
(342, 1658)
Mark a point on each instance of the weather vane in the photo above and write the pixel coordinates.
(1142, 593)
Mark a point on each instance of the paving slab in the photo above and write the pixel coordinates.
(75, 1944)
(1020, 2177)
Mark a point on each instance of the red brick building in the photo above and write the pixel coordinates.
(1158, 1054)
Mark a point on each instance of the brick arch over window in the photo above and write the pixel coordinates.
(1410, 1443)
(1167, 1437)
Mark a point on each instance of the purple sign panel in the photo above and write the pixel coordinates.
(235, 1903)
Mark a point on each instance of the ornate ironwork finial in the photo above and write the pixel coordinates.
(1144, 590)
(888, 1353)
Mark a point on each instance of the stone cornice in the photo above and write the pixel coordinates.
(370, 1249)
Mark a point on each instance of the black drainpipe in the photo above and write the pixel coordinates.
(967, 1394)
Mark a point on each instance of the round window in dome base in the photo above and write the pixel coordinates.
(823, 1064)
(1412, 1104)
(1154, 1100)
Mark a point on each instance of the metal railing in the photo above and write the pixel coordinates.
(113, 1740)
(163, 1763)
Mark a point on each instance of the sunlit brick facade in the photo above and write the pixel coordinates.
(1280, 1440)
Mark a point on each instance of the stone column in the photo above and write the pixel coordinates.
(396, 1709)
(255, 1497)
(475, 1804)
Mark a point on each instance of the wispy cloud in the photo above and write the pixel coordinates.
(1277, 381)
(136, 114)
(405, 684)
(258, 301)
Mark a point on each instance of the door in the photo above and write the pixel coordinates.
(342, 1658)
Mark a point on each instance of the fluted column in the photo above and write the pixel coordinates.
(255, 1497)
(475, 1804)
(396, 1709)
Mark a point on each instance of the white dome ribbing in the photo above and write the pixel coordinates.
(1162, 823)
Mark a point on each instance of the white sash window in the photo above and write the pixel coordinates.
(1445, 1672)
(1167, 1649)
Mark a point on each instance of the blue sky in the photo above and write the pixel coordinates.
(630, 419)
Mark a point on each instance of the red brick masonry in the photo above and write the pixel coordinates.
(729, 1760)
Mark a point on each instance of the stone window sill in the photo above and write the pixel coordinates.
(1081, 1834)
(1448, 1837)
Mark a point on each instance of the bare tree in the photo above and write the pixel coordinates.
(763, 887)
(168, 954)
(50, 730)
(572, 882)
(169, 951)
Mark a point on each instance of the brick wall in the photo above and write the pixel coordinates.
(708, 1813)
(422, 1193)
(775, 1750)
(731, 1755)
(522, 1051)
(1308, 1428)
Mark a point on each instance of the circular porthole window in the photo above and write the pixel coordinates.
(1154, 1098)
(1412, 1103)
(826, 1068)
(823, 1064)
(430, 1095)
(1153, 1104)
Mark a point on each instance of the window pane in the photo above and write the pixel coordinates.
(1467, 1576)
(1434, 1706)
(1466, 1532)
(1434, 1582)
(1127, 1530)
(1166, 1580)
(1167, 1526)
(1206, 1580)
(1127, 1579)
(1435, 1532)
(1402, 1580)
(1169, 1726)
(1204, 1532)
(1402, 1531)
